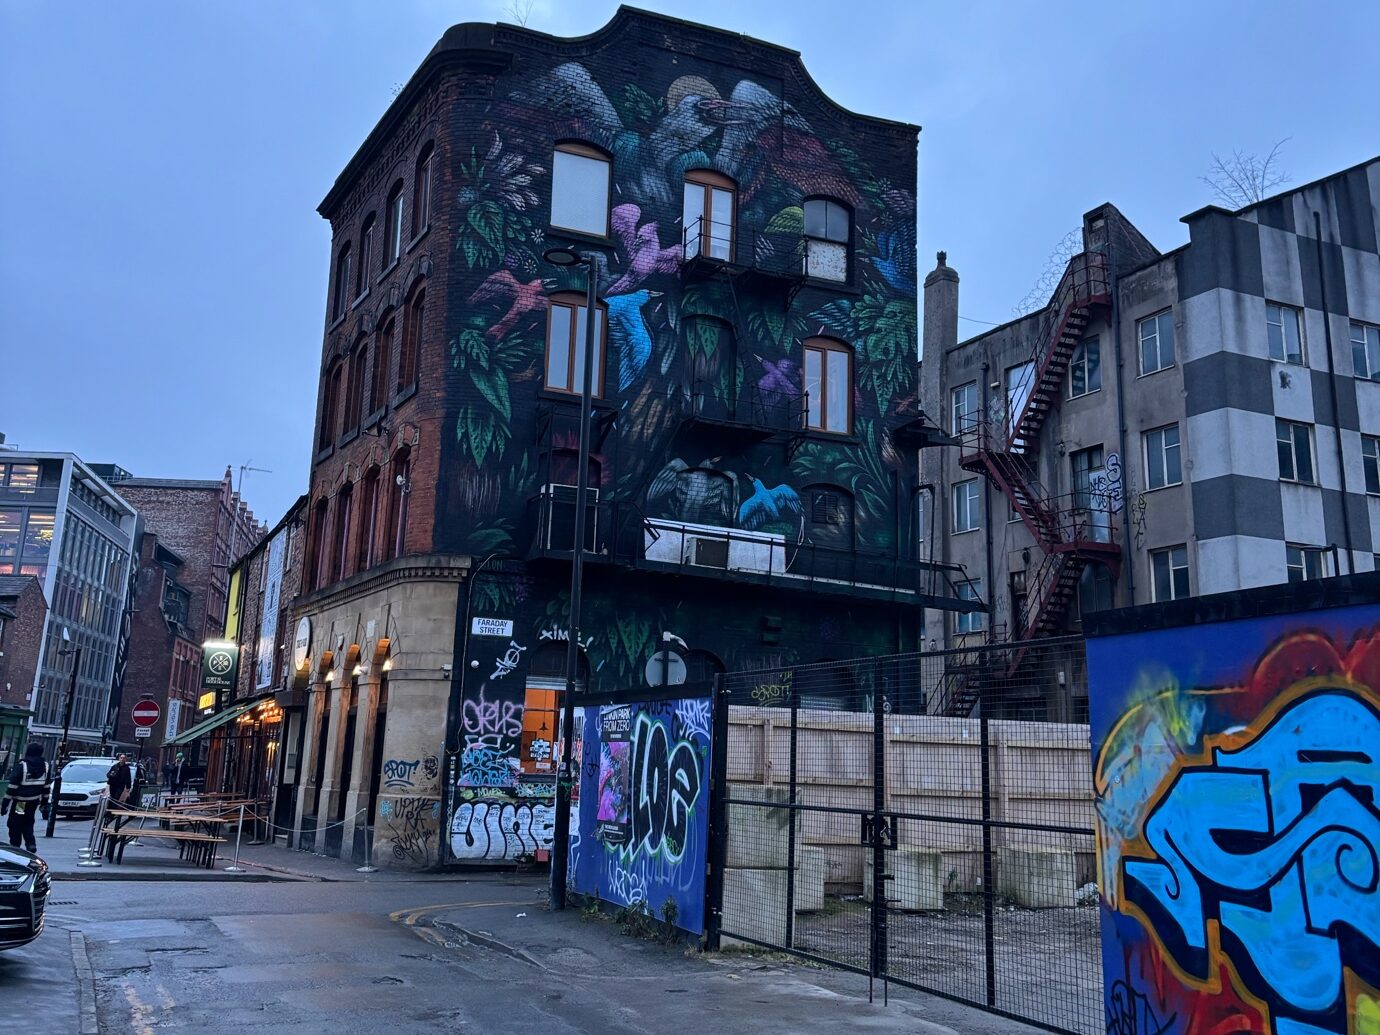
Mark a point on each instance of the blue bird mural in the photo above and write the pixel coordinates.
(629, 334)
(895, 258)
(769, 506)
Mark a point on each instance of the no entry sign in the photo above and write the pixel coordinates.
(145, 713)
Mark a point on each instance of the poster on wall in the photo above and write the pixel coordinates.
(268, 613)
(644, 844)
(1237, 780)
(615, 774)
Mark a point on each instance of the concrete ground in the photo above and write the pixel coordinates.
(320, 952)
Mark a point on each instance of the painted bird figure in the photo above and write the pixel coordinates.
(895, 258)
(769, 506)
(521, 298)
(629, 333)
(642, 246)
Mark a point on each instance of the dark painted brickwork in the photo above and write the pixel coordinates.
(482, 432)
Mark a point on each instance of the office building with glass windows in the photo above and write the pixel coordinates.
(1170, 424)
(65, 526)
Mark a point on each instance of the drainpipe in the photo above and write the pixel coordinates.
(1114, 286)
(987, 506)
(1332, 387)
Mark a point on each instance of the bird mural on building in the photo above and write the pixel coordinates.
(765, 506)
(642, 246)
(699, 495)
(629, 334)
(895, 258)
(570, 92)
(521, 299)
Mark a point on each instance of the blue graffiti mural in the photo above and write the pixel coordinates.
(1278, 841)
(1238, 825)
(641, 825)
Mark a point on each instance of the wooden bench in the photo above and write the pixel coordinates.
(199, 848)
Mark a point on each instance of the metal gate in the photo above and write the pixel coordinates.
(960, 781)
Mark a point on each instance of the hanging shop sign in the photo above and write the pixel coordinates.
(220, 662)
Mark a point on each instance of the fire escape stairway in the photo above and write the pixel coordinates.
(1065, 528)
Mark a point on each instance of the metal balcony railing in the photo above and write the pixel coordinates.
(619, 533)
(755, 408)
(709, 243)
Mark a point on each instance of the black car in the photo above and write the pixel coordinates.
(24, 884)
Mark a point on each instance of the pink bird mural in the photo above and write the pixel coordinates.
(643, 248)
(522, 299)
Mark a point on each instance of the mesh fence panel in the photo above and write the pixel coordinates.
(948, 773)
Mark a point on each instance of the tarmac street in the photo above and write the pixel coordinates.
(306, 948)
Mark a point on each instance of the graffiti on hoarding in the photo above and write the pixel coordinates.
(1238, 829)
(501, 829)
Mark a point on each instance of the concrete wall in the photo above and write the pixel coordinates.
(1039, 773)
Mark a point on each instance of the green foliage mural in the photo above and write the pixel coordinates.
(660, 347)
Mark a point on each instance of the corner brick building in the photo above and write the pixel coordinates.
(23, 610)
(754, 450)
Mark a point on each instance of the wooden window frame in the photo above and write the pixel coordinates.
(369, 520)
(574, 301)
(421, 190)
(392, 226)
(353, 411)
(367, 237)
(707, 180)
(410, 355)
(330, 401)
(383, 356)
(824, 346)
(344, 259)
(585, 150)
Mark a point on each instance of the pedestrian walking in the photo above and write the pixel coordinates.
(118, 780)
(28, 790)
(177, 776)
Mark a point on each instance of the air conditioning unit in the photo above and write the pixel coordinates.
(706, 552)
(558, 526)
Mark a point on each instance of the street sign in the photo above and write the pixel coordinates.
(219, 664)
(492, 627)
(143, 731)
(145, 714)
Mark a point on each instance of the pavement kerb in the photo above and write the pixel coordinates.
(86, 986)
(488, 941)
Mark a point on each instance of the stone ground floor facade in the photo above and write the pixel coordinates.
(428, 730)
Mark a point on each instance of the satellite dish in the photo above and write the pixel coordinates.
(665, 668)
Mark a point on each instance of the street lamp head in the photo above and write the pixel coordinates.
(564, 257)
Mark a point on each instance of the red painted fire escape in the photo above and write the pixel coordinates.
(1071, 530)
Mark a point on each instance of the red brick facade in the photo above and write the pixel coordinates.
(207, 525)
(164, 648)
(397, 435)
(22, 610)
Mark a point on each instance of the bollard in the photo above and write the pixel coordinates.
(53, 804)
(235, 866)
(91, 856)
(368, 866)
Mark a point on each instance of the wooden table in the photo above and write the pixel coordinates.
(199, 845)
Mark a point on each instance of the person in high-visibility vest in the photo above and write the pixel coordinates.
(28, 788)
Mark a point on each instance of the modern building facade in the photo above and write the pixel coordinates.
(1171, 424)
(64, 525)
(756, 424)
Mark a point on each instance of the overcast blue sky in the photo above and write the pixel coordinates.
(163, 269)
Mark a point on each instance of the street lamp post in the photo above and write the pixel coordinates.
(66, 729)
(560, 851)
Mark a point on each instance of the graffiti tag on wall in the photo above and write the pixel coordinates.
(1239, 826)
(640, 824)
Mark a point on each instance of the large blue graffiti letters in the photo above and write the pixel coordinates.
(666, 785)
(1279, 842)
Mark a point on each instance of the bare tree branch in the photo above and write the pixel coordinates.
(1039, 295)
(1244, 178)
(519, 11)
